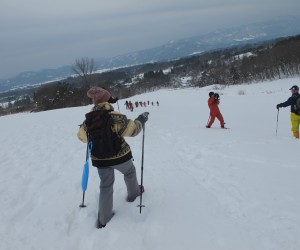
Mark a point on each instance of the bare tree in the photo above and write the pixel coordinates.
(84, 67)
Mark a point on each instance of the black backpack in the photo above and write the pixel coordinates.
(106, 143)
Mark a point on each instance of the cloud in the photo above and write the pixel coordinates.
(37, 34)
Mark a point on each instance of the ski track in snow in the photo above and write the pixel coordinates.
(204, 188)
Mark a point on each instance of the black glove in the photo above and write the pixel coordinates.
(278, 106)
(143, 117)
(216, 96)
(113, 100)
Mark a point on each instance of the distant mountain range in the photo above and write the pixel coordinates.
(247, 34)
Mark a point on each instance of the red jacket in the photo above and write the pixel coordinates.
(213, 106)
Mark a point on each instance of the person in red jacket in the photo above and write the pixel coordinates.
(213, 104)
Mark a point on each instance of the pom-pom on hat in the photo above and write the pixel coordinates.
(98, 95)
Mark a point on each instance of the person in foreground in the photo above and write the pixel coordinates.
(295, 109)
(106, 129)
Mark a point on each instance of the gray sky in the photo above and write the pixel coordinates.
(37, 34)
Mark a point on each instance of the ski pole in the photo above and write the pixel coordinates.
(142, 171)
(118, 106)
(277, 121)
(85, 174)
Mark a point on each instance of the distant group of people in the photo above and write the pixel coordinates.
(130, 105)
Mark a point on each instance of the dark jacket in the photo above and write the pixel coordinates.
(290, 102)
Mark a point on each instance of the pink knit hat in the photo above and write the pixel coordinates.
(98, 95)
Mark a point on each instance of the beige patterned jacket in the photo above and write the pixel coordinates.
(123, 127)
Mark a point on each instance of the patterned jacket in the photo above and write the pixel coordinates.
(123, 127)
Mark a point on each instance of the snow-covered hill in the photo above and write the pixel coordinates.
(205, 188)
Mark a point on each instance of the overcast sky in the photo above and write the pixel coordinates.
(37, 34)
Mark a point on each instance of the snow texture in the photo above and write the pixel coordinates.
(204, 188)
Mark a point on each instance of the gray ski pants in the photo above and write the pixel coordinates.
(107, 178)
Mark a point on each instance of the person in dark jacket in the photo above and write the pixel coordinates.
(122, 161)
(295, 113)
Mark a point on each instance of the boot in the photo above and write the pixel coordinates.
(296, 134)
(133, 199)
(99, 225)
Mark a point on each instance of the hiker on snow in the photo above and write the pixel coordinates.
(127, 105)
(213, 103)
(112, 154)
(295, 112)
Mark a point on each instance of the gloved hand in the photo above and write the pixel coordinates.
(216, 96)
(277, 106)
(113, 100)
(143, 117)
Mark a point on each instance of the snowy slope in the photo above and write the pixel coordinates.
(205, 188)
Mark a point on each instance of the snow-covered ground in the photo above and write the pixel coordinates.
(205, 188)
